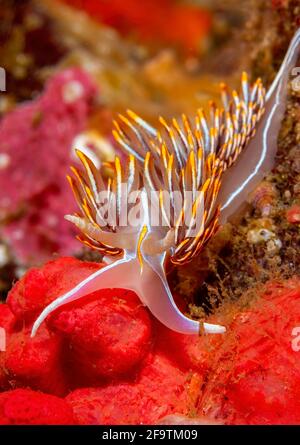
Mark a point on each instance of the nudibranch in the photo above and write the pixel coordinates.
(199, 172)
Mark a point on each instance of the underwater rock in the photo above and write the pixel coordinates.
(33, 191)
(26, 407)
(263, 198)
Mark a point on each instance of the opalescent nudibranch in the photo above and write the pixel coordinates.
(217, 160)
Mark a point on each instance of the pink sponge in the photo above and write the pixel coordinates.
(26, 407)
(36, 137)
(36, 144)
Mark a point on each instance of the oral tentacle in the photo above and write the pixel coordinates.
(122, 240)
(154, 246)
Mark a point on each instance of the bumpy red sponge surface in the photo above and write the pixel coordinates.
(108, 334)
(35, 362)
(26, 407)
(39, 287)
(255, 378)
(159, 389)
(114, 364)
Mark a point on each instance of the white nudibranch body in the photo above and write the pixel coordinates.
(207, 167)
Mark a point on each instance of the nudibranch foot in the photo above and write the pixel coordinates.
(152, 289)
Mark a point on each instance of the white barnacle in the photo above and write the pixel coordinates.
(207, 166)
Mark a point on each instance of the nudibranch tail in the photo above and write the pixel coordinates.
(259, 156)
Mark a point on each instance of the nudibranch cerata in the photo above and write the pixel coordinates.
(206, 168)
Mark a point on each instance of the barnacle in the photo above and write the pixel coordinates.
(188, 160)
(263, 197)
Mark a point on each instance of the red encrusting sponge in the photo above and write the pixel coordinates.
(26, 407)
(109, 333)
(115, 364)
(35, 362)
(39, 287)
(255, 377)
(159, 389)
